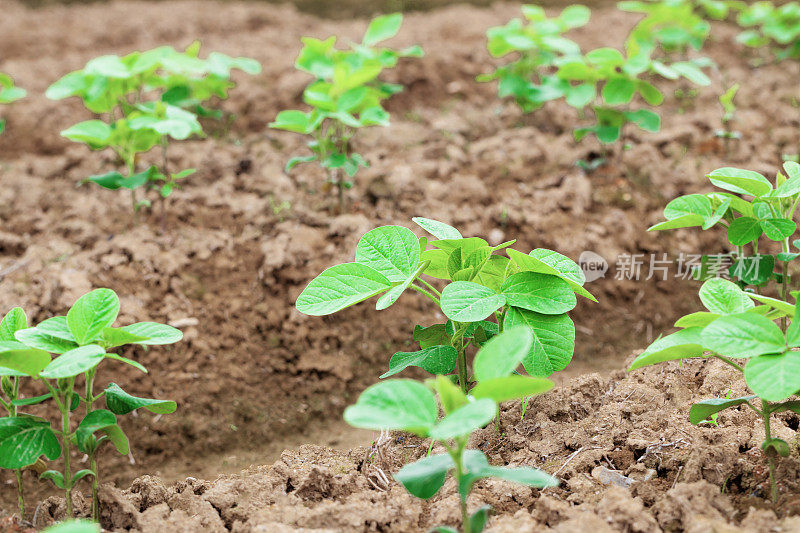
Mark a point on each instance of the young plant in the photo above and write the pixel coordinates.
(485, 294)
(739, 324)
(8, 93)
(606, 81)
(345, 96)
(775, 27)
(81, 340)
(149, 99)
(406, 405)
(727, 133)
(537, 44)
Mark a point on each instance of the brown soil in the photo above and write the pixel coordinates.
(253, 375)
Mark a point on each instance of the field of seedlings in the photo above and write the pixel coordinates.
(494, 267)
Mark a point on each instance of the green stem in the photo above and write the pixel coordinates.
(457, 454)
(95, 483)
(725, 359)
(773, 485)
(20, 495)
(65, 436)
(426, 293)
(429, 286)
(461, 364)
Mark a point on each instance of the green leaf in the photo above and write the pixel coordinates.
(553, 340)
(698, 319)
(294, 161)
(740, 181)
(547, 261)
(618, 91)
(127, 361)
(478, 520)
(682, 344)
(502, 354)
(511, 387)
(74, 526)
(685, 221)
(121, 403)
(440, 230)
(74, 362)
(465, 301)
(23, 440)
(784, 307)
(744, 230)
(780, 446)
(743, 335)
(703, 410)
(425, 477)
(56, 477)
(465, 420)
(93, 312)
(477, 467)
(691, 204)
(14, 321)
(778, 229)
(542, 293)
(391, 250)
(450, 395)
(435, 359)
(382, 28)
(95, 133)
(774, 377)
(724, 297)
(153, 333)
(341, 286)
(753, 270)
(397, 404)
(20, 402)
(36, 338)
(292, 120)
(104, 422)
(21, 358)
(113, 337)
(793, 331)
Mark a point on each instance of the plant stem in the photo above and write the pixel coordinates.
(95, 483)
(18, 473)
(429, 286)
(426, 293)
(65, 436)
(461, 364)
(725, 359)
(773, 485)
(457, 454)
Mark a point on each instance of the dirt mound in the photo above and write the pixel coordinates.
(627, 456)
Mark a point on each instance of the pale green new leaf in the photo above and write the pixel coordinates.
(93, 312)
(503, 353)
(396, 404)
(682, 344)
(391, 250)
(464, 301)
(743, 335)
(341, 286)
(724, 297)
(465, 420)
(774, 377)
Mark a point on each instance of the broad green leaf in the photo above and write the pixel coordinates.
(121, 403)
(682, 344)
(74, 362)
(740, 181)
(510, 387)
(538, 292)
(56, 477)
(753, 270)
(720, 212)
(743, 335)
(104, 422)
(618, 91)
(502, 354)
(774, 377)
(382, 28)
(685, 221)
(440, 230)
(113, 337)
(56, 327)
(698, 319)
(549, 262)
(784, 307)
(14, 321)
(744, 230)
(793, 331)
(156, 334)
(465, 420)
(435, 359)
(425, 477)
(36, 338)
(704, 409)
(74, 526)
(93, 312)
(21, 358)
(391, 296)
(450, 395)
(291, 120)
(95, 133)
(724, 297)
(391, 250)
(20, 402)
(23, 440)
(397, 404)
(464, 301)
(778, 229)
(341, 286)
(691, 204)
(431, 336)
(553, 340)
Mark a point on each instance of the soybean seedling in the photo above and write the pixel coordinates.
(727, 133)
(149, 99)
(81, 340)
(8, 93)
(773, 27)
(739, 324)
(675, 26)
(485, 293)
(345, 97)
(406, 405)
(537, 44)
